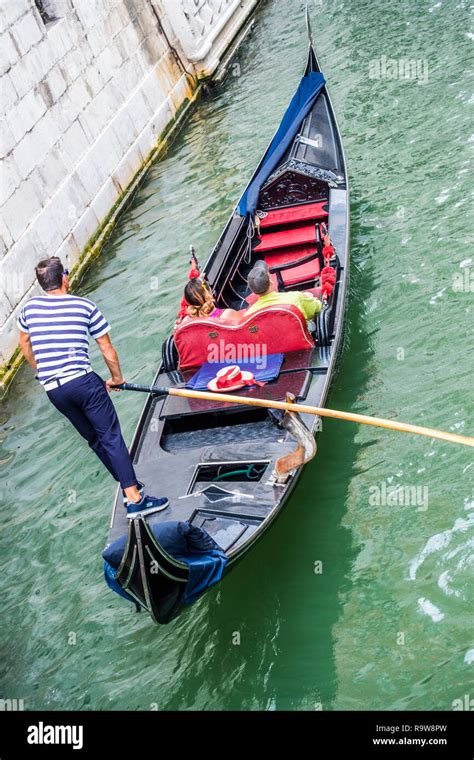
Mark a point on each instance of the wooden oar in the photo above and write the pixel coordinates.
(363, 419)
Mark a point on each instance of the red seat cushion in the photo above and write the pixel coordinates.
(295, 214)
(295, 275)
(277, 329)
(296, 236)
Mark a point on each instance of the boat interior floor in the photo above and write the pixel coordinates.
(212, 446)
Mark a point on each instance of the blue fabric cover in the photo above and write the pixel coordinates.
(301, 104)
(204, 570)
(184, 542)
(113, 552)
(109, 575)
(209, 370)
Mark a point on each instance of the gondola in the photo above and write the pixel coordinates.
(229, 470)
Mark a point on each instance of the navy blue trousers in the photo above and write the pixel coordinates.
(88, 406)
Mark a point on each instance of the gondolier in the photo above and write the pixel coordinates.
(54, 339)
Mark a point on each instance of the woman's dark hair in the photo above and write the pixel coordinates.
(199, 298)
(50, 273)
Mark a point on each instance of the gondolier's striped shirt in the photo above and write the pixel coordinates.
(59, 328)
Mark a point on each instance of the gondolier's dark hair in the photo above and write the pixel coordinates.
(50, 273)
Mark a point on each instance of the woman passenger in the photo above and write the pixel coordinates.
(201, 302)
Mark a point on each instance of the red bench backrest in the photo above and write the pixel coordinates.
(275, 329)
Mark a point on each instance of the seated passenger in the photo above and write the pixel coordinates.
(260, 283)
(201, 301)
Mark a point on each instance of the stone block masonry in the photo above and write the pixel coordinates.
(87, 90)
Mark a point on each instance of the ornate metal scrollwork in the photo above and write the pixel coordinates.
(308, 170)
(291, 188)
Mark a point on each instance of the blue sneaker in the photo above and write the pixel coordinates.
(146, 506)
(140, 487)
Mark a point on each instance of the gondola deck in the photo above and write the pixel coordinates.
(214, 461)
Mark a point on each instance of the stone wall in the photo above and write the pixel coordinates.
(205, 28)
(87, 88)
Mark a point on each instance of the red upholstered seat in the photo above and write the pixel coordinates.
(272, 330)
(286, 238)
(299, 238)
(295, 214)
(302, 273)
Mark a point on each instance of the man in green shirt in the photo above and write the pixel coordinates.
(260, 283)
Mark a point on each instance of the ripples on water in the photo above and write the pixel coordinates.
(306, 640)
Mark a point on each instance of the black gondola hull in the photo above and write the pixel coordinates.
(181, 444)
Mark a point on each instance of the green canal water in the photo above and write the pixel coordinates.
(386, 624)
